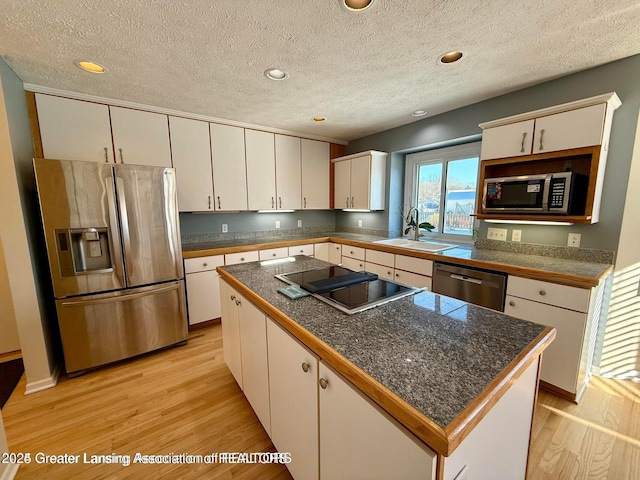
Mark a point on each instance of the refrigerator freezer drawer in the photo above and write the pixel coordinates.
(104, 328)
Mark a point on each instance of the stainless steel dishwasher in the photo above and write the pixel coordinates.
(472, 285)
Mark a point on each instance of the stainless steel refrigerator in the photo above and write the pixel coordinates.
(115, 257)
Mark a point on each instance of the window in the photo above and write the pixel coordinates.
(442, 185)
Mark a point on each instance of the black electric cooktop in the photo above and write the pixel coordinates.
(346, 289)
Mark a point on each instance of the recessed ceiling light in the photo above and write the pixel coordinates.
(319, 119)
(89, 66)
(419, 113)
(356, 5)
(276, 74)
(450, 57)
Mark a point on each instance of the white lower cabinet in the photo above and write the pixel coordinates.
(293, 388)
(203, 288)
(335, 253)
(321, 251)
(574, 313)
(360, 441)
(231, 330)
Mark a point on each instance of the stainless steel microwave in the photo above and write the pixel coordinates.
(562, 193)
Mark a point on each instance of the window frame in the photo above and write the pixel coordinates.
(438, 156)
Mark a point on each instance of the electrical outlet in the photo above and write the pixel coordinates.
(277, 223)
(574, 240)
(299, 223)
(360, 223)
(225, 229)
(516, 235)
(497, 234)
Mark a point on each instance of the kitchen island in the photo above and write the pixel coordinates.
(457, 379)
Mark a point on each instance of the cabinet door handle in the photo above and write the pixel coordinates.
(209, 202)
(273, 204)
(219, 203)
(205, 264)
(121, 157)
(512, 303)
(351, 202)
(524, 135)
(238, 302)
(347, 202)
(280, 200)
(541, 135)
(233, 297)
(542, 292)
(305, 202)
(242, 259)
(273, 254)
(323, 383)
(106, 155)
(305, 367)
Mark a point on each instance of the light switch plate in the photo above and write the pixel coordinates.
(574, 240)
(299, 223)
(497, 234)
(277, 223)
(360, 223)
(225, 229)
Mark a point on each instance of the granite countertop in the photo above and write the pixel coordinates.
(542, 263)
(436, 353)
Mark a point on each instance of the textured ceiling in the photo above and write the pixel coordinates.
(365, 72)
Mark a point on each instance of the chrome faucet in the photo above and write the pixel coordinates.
(414, 223)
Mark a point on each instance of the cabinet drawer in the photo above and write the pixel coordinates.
(420, 266)
(413, 279)
(558, 295)
(381, 258)
(271, 253)
(353, 252)
(202, 264)
(380, 270)
(353, 263)
(301, 250)
(233, 258)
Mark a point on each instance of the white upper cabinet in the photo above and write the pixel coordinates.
(288, 176)
(511, 140)
(191, 153)
(140, 138)
(359, 181)
(315, 160)
(74, 129)
(229, 171)
(261, 170)
(573, 129)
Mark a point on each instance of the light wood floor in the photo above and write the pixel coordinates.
(184, 400)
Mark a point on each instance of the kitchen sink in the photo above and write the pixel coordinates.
(432, 247)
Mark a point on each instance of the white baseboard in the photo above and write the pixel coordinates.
(33, 387)
(9, 473)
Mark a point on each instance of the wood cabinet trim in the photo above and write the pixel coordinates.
(36, 137)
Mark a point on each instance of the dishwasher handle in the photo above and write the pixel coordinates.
(466, 279)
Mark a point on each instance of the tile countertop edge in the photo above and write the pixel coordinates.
(442, 441)
(527, 272)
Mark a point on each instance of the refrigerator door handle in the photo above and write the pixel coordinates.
(113, 226)
(124, 218)
(119, 298)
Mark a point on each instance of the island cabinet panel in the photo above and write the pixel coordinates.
(359, 440)
(255, 370)
(497, 448)
(293, 389)
(229, 168)
(231, 330)
(140, 138)
(203, 288)
(74, 129)
(191, 152)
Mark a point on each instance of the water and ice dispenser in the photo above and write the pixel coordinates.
(83, 250)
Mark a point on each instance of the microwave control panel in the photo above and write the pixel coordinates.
(557, 192)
